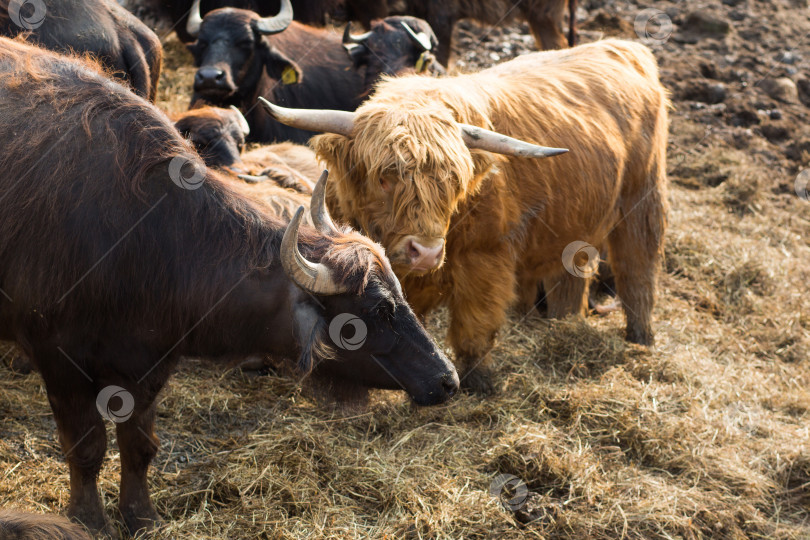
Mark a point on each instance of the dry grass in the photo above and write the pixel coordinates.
(706, 436)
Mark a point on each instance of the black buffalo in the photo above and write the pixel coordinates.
(120, 252)
(393, 46)
(124, 45)
(241, 56)
(311, 12)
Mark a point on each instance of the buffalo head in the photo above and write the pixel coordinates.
(217, 134)
(231, 52)
(353, 322)
(393, 46)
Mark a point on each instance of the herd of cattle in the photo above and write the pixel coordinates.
(129, 240)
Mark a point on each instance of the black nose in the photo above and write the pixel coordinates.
(209, 76)
(450, 383)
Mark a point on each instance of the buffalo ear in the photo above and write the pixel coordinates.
(279, 66)
(358, 54)
(311, 333)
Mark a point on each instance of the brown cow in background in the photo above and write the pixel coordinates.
(545, 18)
(467, 227)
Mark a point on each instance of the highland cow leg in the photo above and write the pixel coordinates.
(138, 445)
(528, 292)
(82, 436)
(484, 290)
(545, 21)
(634, 268)
(566, 294)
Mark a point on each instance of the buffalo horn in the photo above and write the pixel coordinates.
(421, 38)
(194, 20)
(278, 23)
(312, 277)
(318, 210)
(243, 123)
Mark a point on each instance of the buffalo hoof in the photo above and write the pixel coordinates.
(141, 523)
(478, 381)
(98, 525)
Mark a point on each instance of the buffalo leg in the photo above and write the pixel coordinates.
(484, 290)
(566, 294)
(545, 21)
(138, 445)
(82, 436)
(443, 24)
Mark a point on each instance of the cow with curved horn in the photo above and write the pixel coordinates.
(241, 56)
(139, 255)
(393, 46)
(438, 170)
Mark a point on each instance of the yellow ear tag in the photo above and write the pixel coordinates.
(289, 75)
(422, 62)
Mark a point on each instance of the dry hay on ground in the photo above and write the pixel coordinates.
(706, 436)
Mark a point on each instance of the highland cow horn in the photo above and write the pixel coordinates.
(491, 141)
(312, 277)
(318, 210)
(243, 123)
(422, 39)
(278, 23)
(194, 20)
(322, 120)
(351, 39)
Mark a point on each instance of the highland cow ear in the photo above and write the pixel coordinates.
(484, 164)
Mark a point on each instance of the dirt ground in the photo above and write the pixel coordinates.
(704, 436)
